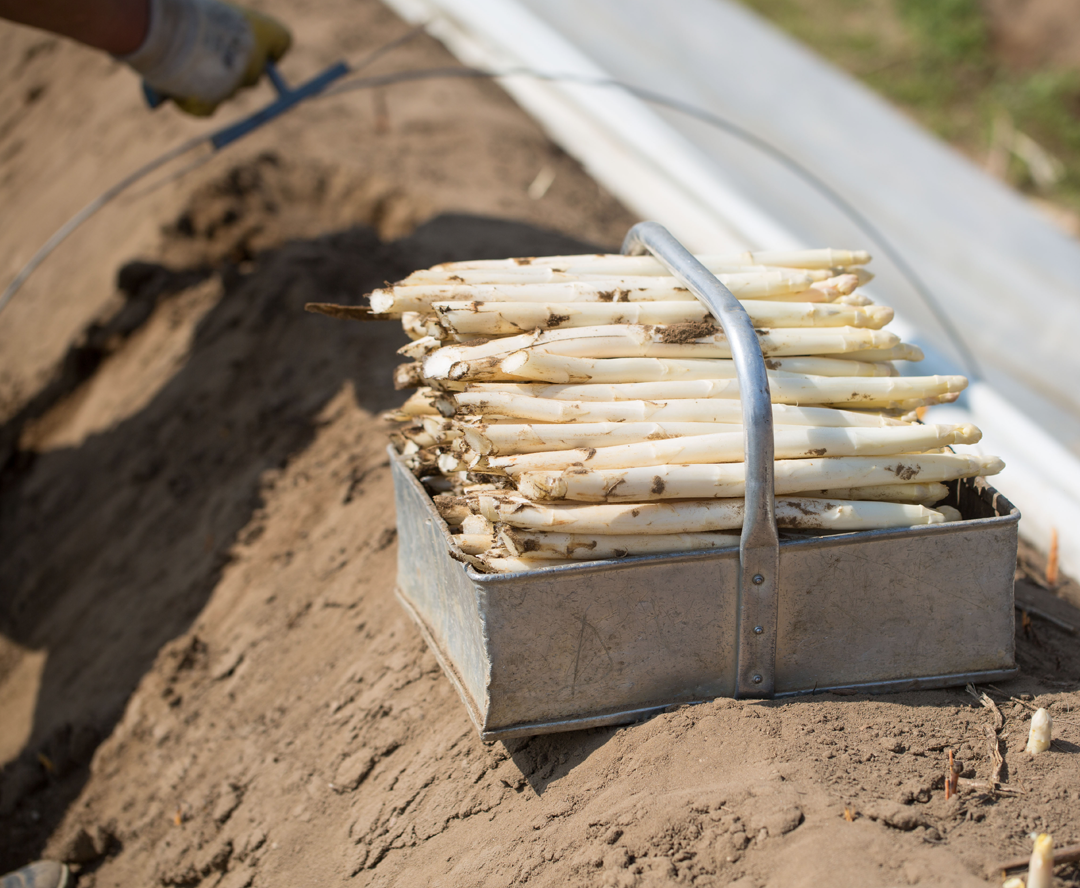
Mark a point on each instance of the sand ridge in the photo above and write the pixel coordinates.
(199, 557)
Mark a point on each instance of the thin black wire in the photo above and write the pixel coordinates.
(647, 95)
(86, 212)
(146, 169)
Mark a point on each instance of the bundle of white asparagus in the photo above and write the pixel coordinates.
(571, 408)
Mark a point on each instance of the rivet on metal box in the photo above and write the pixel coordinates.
(601, 643)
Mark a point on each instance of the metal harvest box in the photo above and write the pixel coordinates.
(579, 645)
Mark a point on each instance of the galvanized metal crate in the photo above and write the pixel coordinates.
(580, 645)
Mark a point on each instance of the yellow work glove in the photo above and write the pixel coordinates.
(200, 52)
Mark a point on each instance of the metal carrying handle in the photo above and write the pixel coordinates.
(759, 545)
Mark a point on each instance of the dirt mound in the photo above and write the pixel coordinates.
(205, 679)
(157, 464)
(218, 604)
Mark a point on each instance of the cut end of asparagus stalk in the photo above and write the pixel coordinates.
(381, 301)
(420, 348)
(408, 376)
(474, 543)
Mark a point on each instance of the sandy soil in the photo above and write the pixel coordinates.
(204, 676)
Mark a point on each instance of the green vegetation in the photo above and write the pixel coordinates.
(936, 60)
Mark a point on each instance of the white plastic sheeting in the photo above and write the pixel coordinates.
(986, 254)
(1007, 277)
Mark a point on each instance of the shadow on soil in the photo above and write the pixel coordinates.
(1048, 657)
(112, 547)
(547, 758)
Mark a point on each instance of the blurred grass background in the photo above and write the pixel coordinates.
(961, 69)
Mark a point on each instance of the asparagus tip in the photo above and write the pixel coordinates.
(1039, 737)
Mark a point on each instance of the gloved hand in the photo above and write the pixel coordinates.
(200, 52)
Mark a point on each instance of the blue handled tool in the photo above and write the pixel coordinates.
(287, 98)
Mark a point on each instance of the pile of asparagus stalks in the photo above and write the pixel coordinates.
(573, 408)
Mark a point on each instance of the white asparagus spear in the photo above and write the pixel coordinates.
(436, 329)
(504, 438)
(1041, 732)
(728, 447)
(795, 390)
(480, 440)
(1041, 865)
(812, 295)
(854, 299)
(815, 296)
(453, 509)
(538, 274)
(911, 492)
(634, 340)
(396, 299)
(439, 425)
(833, 287)
(449, 463)
(530, 364)
(507, 318)
(692, 341)
(421, 437)
(839, 289)
(434, 424)
(728, 480)
(904, 404)
(420, 403)
(412, 322)
(533, 409)
(701, 516)
(442, 360)
(421, 297)
(420, 347)
(633, 391)
(645, 341)
(616, 263)
(408, 375)
(905, 351)
(591, 547)
(474, 543)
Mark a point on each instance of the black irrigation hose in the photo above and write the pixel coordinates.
(646, 95)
